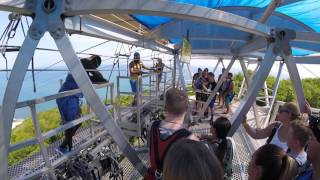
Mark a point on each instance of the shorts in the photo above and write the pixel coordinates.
(133, 84)
(204, 97)
(198, 96)
(159, 77)
(229, 97)
(211, 105)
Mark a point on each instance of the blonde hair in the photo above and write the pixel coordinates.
(293, 109)
(275, 163)
(289, 168)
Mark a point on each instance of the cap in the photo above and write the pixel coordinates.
(199, 69)
(136, 56)
(206, 69)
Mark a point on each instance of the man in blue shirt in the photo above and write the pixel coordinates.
(69, 106)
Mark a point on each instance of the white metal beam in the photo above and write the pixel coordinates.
(98, 27)
(256, 44)
(313, 37)
(18, 6)
(11, 97)
(274, 94)
(166, 8)
(268, 12)
(247, 80)
(306, 60)
(253, 90)
(296, 82)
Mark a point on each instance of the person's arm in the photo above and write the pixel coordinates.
(96, 77)
(307, 108)
(204, 87)
(257, 133)
(145, 67)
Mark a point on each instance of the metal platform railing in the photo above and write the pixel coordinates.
(41, 137)
(147, 94)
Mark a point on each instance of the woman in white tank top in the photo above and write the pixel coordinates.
(288, 112)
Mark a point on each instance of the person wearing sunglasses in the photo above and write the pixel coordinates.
(277, 132)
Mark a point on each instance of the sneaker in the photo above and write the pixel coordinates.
(62, 150)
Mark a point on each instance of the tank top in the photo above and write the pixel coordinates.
(276, 141)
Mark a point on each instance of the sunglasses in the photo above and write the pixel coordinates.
(314, 124)
(284, 110)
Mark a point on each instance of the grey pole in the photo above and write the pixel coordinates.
(274, 94)
(253, 90)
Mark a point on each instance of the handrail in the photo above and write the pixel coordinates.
(56, 96)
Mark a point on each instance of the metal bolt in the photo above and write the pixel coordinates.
(49, 6)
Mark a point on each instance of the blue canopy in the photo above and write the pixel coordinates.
(302, 15)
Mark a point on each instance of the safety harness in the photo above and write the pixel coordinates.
(159, 148)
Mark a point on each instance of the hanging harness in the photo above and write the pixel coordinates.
(159, 149)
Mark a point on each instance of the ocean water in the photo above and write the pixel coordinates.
(48, 83)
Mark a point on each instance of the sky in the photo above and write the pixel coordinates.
(45, 59)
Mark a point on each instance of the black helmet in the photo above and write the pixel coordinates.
(136, 56)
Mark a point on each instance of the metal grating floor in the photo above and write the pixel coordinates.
(36, 162)
(242, 154)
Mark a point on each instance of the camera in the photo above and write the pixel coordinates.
(314, 124)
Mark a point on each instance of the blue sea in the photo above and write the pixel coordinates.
(48, 83)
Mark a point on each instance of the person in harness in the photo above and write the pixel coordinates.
(277, 132)
(69, 106)
(220, 145)
(135, 68)
(164, 133)
(158, 68)
(228, 93)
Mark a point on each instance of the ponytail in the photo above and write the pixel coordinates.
(289, 168)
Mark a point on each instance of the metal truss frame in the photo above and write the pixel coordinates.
(252, 92)
(50, 20)
(296, 81)
(274, 94)
(247, 82)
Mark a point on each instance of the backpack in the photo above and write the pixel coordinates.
(157, 152)
(199, 83)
